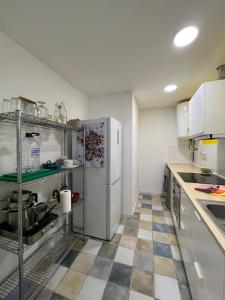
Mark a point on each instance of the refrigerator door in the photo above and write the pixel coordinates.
(114, 150)
(114, 208)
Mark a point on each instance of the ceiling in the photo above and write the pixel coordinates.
(106, 46)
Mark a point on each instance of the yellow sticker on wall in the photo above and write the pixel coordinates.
(210, 142)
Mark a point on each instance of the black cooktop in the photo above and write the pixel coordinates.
(202, 178)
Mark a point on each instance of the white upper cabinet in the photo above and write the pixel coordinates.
(207, 109)
(183, 119)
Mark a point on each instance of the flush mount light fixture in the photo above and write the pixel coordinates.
(170, 88)
(185, 36)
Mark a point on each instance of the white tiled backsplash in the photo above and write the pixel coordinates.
(211, 156)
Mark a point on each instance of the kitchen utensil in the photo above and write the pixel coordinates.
(56, 195)
(27, 197)
(63, 187)
(68, 163)
(221, 71)
(27, 217)
(75, 197)
(42, 110)
(50, 165)
(40, 210)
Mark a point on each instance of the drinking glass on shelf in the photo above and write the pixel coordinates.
(42, 111)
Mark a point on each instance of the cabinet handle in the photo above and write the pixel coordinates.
(182, 208)
(197, 215)
(198, 270)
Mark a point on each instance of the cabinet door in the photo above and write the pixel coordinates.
(208, 258)
(183, 119)
(192, 267)
(197, 113)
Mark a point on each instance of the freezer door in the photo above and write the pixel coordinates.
(114, 150)
(114, 208)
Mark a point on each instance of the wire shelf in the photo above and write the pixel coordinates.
(10, 245)
(40, 267)
(45, 178)
(35, 121)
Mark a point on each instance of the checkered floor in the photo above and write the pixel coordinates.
(141, 262)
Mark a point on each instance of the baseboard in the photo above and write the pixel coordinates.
(135, 203)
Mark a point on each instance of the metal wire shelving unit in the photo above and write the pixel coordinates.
(34, 272)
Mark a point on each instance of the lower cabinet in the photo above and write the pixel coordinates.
(203, 259)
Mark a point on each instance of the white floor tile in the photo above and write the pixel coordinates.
(93, 288)
(125, 256)
(54, 281)
(157, 207)
(137, 296)
(120, 229)
(144, 217)
(169, 221)
(166, 288)
(92, 247)
(176, 252)
(144, 234)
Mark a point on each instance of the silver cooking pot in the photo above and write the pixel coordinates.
(12, 210)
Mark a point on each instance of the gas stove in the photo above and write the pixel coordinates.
(34, 233)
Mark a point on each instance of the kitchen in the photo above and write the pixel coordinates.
(117, 216)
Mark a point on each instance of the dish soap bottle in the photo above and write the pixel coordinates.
(31, 152)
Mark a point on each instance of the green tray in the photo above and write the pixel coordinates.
(29, 175)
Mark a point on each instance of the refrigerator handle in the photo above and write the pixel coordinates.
(118, 137)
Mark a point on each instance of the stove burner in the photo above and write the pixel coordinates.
(202, 178)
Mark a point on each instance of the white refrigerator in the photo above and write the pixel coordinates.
(102, 183)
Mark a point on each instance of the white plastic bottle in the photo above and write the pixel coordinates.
(31, 152)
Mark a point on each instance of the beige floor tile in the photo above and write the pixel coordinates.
(164, 266)
(71, 284)
(128, 241)
(161, 237)
(145, 225)
(146, 211)
(145, 245)
(158, 219)
(172, 239)
(137, 210)
(115, 240)
(142, 282)
(123, 220)
(79, 244)
(144, 201)
(83, 263)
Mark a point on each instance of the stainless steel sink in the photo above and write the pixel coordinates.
(215, 210)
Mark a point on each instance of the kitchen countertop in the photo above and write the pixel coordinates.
(193, 195)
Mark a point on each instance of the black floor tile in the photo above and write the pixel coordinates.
(69, 259)
(161, 249)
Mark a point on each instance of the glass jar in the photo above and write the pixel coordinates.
(42, 111)
(62, 113)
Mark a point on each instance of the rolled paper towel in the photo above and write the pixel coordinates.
(65, 201)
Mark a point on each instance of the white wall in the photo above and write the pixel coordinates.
(21, 74)
(158, 144)
(119, 106)
(135, 120)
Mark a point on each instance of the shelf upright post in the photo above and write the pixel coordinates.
(84, 162)
(20, 205)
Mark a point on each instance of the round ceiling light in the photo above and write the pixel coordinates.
(185, 36)
(170, 88)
